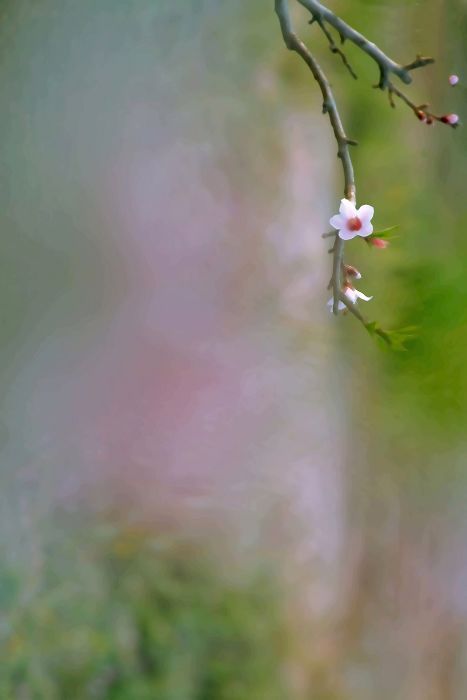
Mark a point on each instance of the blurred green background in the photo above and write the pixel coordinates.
(211, 489)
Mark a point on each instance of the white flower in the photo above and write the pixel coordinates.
(351, 222)
(340, 307)
(352, 295)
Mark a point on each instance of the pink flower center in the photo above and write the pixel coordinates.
(354, 224)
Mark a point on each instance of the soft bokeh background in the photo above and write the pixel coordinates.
(210, 488)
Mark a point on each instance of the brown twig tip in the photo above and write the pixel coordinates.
(420, 62)
(422, 112)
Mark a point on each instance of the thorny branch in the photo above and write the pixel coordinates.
(387, 67)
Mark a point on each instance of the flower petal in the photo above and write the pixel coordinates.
(337, 221)
(366, 230)
(351, 294)
(360, 295)
(347, 235)
(340, 306)
(365, 213)
(347, 209)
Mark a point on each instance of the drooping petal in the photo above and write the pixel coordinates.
(365, 213)
(351, 294)
(346, 234)
(337, 221)
(366, 230)
(360, 295)
(347, 209)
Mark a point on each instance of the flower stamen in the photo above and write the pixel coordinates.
(354, 224)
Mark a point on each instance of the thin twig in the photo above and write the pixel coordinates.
(321, 14)
(420, 111)
(355, 312)
(333, 46)
(386, 65)
(293, 43)
(419, 62)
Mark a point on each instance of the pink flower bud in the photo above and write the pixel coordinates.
(453, 79)
(352, 271)
(421, 115)
(379, 242)
(452, 119)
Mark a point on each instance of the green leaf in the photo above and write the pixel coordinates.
(394, 339)
(384, 232)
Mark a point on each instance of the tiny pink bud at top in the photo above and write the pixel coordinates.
(421, 115)
(453, 79)
(452, 119)
(379, 242)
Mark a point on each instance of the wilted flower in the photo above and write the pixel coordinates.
(351, 222)
(453, 79)
(352, 271)
(340, 306)
(352, 295)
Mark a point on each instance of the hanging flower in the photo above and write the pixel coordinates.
(352, 295)
(453, 79)
(340, 306)
(351, 222)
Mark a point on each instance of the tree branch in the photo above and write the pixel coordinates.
(321, 15)
(421, 111)
(333, 46)
(293, 43)
(384, 335)
(385, 64)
